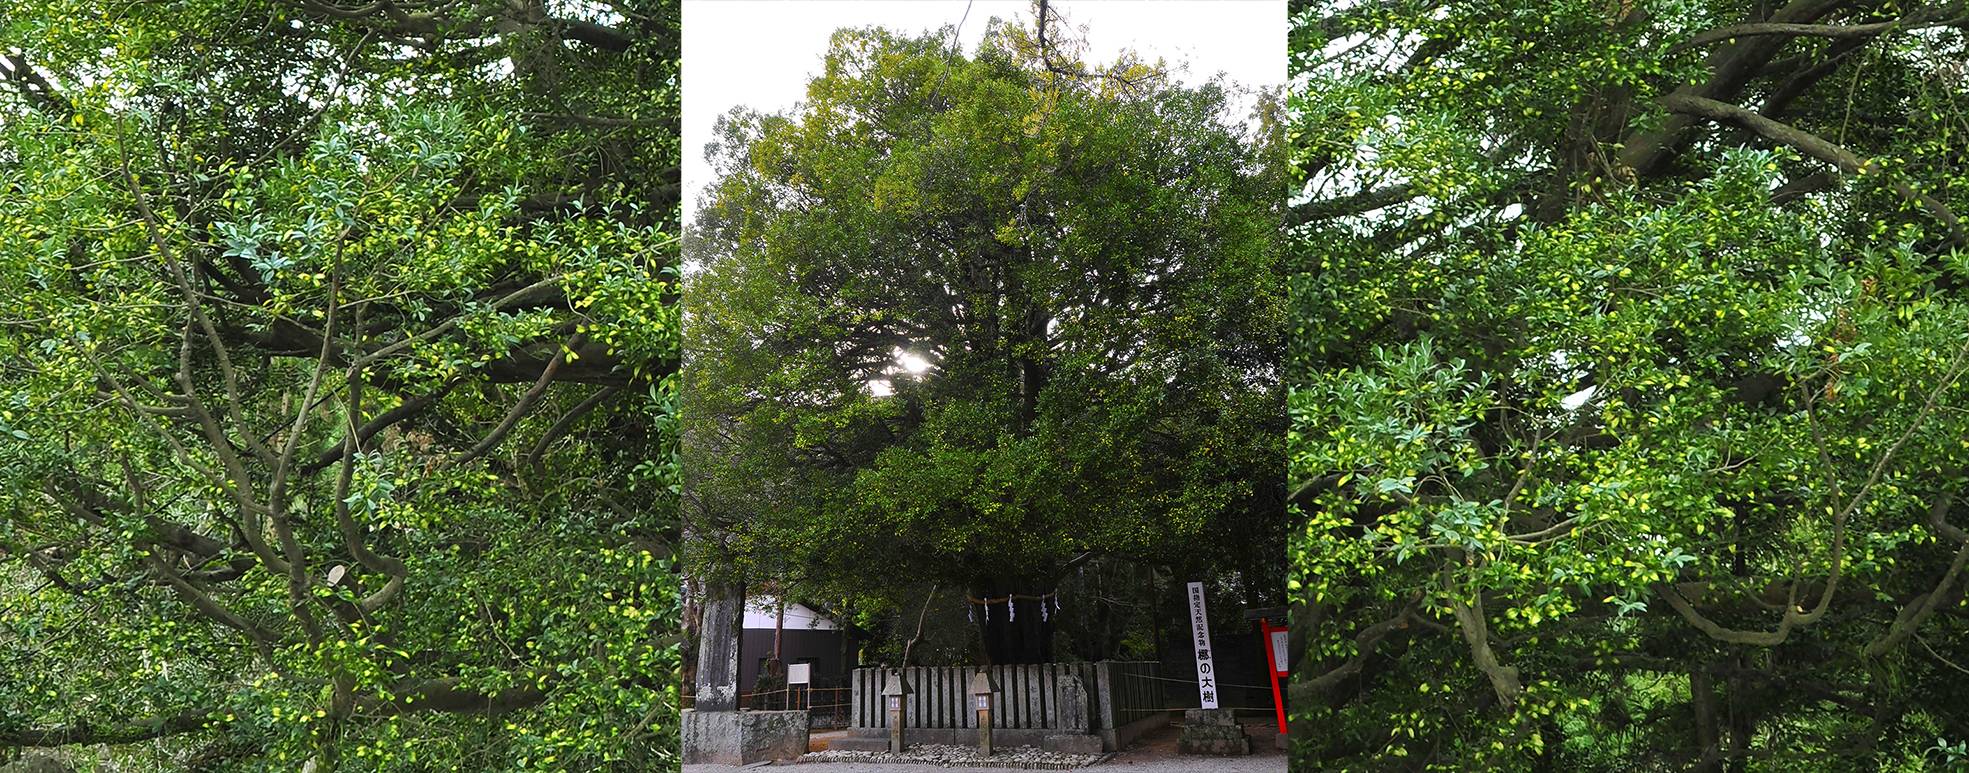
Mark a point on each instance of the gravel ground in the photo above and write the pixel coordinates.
(1154, 752)
(1272, 764)
(1025, 757)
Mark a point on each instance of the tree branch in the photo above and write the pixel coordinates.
(1356, 204)
(498, 434)
(1470, 622)
(567, 420)
(88, 734)
(1816, 147)
(1915, 21)
(1918, 611)
(1365, 643)
(1732, 67)
(446, 696)
(404, 410)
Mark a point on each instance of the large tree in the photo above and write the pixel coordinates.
(338, 344)
(1081, 263)
(1628, 409)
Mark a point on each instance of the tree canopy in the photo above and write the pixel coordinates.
(337, 406)
(1628, 342)
(1081, 262)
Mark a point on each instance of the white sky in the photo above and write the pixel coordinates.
(760, 53)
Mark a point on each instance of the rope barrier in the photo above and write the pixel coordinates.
(967, 597)
(1012, 612)
(1193, 681)
(1266, 709)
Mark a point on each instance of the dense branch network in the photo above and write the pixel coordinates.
(1559, 333)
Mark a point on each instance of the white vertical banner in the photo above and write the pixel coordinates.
(1278, 652)
(1206, 671)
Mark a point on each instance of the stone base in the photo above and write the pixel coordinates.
(744, 737)
(1001, 738)
(1220, 717)
(1213, 732)
(1072, 744)
(853, 744)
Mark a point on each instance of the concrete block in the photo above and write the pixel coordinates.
(743, 737)
(1069, 743)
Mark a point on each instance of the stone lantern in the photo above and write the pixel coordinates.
(895, 695)
(981, 692)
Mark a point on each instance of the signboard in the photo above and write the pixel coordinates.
(802, 673)
(1278, 651)
(1206, 672)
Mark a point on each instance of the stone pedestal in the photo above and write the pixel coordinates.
(1213, 732)
(743, 737)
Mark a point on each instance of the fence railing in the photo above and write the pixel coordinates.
(828, 706)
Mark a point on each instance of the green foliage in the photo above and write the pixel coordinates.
(1627, 373)
(1086, 259)
(339, 386)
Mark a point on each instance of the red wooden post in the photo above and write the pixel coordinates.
(1275, 656)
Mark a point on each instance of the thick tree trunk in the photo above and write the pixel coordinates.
(1742, 723)
(717, 647)
(1702, 695)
